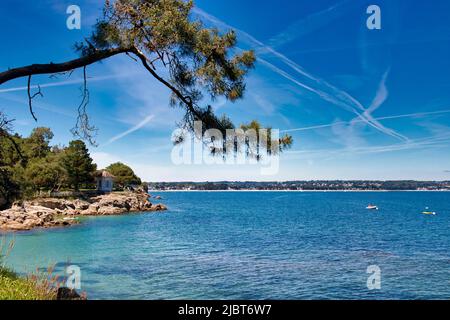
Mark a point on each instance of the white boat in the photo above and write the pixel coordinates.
(428, 212)
(371, 207)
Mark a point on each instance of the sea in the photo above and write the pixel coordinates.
(254, 245)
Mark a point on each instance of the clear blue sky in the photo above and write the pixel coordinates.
(360, 104)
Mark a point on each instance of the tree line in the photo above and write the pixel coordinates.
(373, 185)
(31, 165)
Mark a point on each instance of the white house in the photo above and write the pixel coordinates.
(104, 181)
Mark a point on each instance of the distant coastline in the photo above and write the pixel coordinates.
(276, 190)
(304, 186)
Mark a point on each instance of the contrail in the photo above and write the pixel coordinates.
(430, 142)
(337, 96)
(310, 23)
(131, 130)
(408, 115)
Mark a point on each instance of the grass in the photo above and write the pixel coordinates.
(13, 287)
(32, 287)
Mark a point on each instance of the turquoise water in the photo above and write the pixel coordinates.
(257, 245)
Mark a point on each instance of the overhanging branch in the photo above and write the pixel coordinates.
(51, 68)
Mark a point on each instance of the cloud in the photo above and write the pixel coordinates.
(323, 89)
(381, 95)
(408, 115)
(61, 110)
(131, 130)
(440, 141)
(146, 95)
(265, 104)
(104, 159)
(311, 23)
(64, 83)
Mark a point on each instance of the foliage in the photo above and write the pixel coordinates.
(9, 187)
(30, 164)
(15, 288)
(197, 64)
(32, 287)
(78, 164)
(123, 175)
(196, 57)
(46, 173)
(199, 61)
(38, 143)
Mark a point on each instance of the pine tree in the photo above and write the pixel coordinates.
(78, 164)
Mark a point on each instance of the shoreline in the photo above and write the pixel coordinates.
(61, 212)
(323, 191)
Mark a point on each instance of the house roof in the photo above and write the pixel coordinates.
(103, 174)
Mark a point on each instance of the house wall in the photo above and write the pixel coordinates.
(105, 184)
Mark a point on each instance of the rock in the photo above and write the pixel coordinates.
(158, 207)
(91, 210)
(29, 223)
(68, 294)
(16, 226)
(109, 211)
(48, 212)
(81, 204)
(50, 203)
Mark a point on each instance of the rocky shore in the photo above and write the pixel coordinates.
(55, 212)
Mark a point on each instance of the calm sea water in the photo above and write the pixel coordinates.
(257, 245)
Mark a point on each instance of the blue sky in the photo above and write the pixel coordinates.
(360, 103)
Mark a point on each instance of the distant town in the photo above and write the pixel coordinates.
(323, 185)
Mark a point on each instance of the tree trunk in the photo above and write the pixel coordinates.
(50, 68)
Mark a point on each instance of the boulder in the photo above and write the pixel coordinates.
(81, 204)
(109, 211)
(16, 226)
(65, 293)
(158, 207)
(49, 203)
(46, 212)
(91, 210)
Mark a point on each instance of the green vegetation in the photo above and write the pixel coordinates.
(30, 165)
(197, 64)
(13, 287)
(123, 175)
(350, 185)
(78, 164)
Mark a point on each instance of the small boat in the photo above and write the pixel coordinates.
(428, 212)
(371, 207)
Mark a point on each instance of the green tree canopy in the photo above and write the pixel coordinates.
(123, 174)
(46, 173)
(192, 61)
(38, 143)
(78, 164)
(11, 160)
